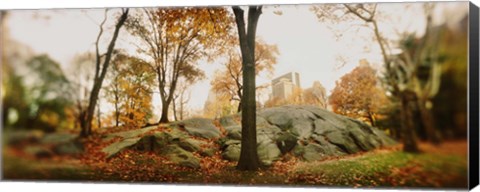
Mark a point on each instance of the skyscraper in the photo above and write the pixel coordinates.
(283, 86)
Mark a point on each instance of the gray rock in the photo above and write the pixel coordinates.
(314, 152)
(323, 127)
(200, 127)
(286, 141)
(229, 120)
(58, 138)
(307, 132)
(278, 117)
(130, 134)
(298, 150)
(232, 142)
(302, 128)
(284, 116)
(70, 148)
(191, 145)
(268, 152)
(262, 122)
(233, 128)
(181, 157)
(327, 147)
(343, 141)
(154, 142)
(17, 137)
(208, 152)
(361, 139)
(234, 134)
(267, 134)
(232, 152)
(116, 147)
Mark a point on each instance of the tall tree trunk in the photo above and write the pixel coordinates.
(174, 107)
(99, 120)
(428, 123)
(91, 110)
(98, 80)
(248, 153)
(117, 111)
(164, 117)
(408, 128)
(164, 98)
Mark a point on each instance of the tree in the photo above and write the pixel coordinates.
(358, 94)
(48, 93)
(114, 91)
(180, 100)
(316, 95)
(102, 62)
(400, 69)
(130, 90)
(13, 90)
(415, 73)
(81, 78)
(246, 35)
(228, 82)
(453, 44)
(175, 40)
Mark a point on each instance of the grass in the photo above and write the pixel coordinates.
(388, 169)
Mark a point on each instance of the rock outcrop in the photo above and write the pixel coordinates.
(307, 132)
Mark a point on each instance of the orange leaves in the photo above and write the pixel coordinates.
(130, 90)
(358, 93)
(214, 164)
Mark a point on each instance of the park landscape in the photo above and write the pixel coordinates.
(343, 95)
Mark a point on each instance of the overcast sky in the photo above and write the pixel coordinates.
(306, 45)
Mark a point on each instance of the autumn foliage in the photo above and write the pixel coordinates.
(227, 81)
(358, 94)
(130, 91)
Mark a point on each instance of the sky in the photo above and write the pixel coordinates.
(306, 45)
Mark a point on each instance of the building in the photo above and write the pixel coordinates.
(283, 86)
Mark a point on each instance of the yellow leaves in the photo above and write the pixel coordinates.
(131, 90)
(358, 93)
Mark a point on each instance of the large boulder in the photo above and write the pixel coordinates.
(130, 133)
(116, 147)
(229, 120)
(181, 157)
(15, 138)
(344, 141)
(232, 152)
(200, 127)
(322, 127)
(302, 129)
(191, 145)
(308, 132)
(286, 141)
(58, 138)
(234, 132)
(69, 148)
(268, 152)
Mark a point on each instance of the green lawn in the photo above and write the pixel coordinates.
(394, 168)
